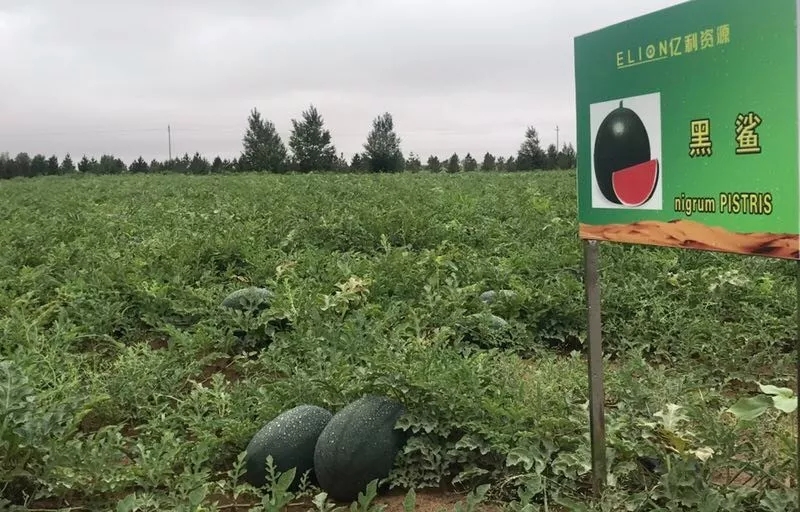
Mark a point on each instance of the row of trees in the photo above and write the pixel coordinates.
(310, 148)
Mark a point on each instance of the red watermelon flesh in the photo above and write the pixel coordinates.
(635, 185)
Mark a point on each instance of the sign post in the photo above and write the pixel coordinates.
(688, 130)
(596, 389)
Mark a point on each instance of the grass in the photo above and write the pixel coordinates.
(125, 387)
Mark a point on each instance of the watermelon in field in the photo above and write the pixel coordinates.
(358, 445)
(251, 299)
(492, 296)
(290, 439)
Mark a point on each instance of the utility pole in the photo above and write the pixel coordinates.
(169, 141)
(557, 146)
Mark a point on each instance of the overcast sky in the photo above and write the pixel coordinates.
(105, 76)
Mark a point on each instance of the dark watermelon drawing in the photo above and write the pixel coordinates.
(625, 171)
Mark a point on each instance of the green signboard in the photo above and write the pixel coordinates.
(688, 128)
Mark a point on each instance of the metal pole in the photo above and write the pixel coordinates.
(169, 139)
(596, 391)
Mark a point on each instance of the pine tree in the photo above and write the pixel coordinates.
(6, 166)
(39, 165)
(94, 166)
(310, 142)
(138, 166)
(488, 162)
(23, 164)
(109, 164)
(413, 163)
(511, 164)
(453, 164)
(434, 165)
(181, 165)
(52, 166)
(552, 158)
(530, 155)
(341, 163)
(263, 148)
(566, 157)
(83, 165)
(199, 165)
(470, 164)
(357, 163)
(382, 149)
(501, 164)
(217, 165)
(67, 167)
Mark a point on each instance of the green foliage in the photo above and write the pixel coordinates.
(139, 166)
(470, 164)
(7, 167)
(531, 156)
(358, 164)
(265, 151)
(566, 158)
(433, 164)
(52, 166)
(109, 164)
(453, 164)
(263, 148)
(413, 163)
(39, 165)
(382, 149)
(750, 408)
(126, 386)
(199, 165)
(67, 167)
(85, 166)
(21, 165)
(551, 161)
(310, 142)
(341, 164)
(489, 164)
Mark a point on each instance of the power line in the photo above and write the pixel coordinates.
(78, 131)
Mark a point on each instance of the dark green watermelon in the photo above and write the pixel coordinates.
(491, 296)
(358, 445)
(290, 438)
(490, 320)
(251, 299)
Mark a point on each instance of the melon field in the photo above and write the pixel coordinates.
(125, 384)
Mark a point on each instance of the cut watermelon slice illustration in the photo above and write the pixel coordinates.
(635, 185)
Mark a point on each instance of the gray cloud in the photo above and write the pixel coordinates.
(94, 77)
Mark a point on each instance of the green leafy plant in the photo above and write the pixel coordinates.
(127, 386)
(771, 397)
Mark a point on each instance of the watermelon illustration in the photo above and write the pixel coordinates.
(635, 185)
(625, 172)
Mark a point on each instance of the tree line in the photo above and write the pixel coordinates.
(310, 148)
